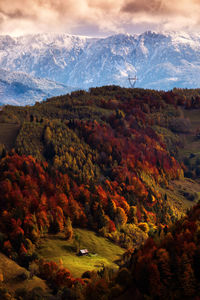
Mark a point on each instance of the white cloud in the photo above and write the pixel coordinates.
(97, 17)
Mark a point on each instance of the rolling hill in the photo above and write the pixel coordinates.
(113, 161)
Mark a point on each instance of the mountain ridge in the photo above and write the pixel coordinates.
(19, 88)
(160, 60)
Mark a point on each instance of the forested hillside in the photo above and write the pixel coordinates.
(112, 160)
(166, 266)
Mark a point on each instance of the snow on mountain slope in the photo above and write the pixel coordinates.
(160, 60)
(19, 88)
(44, 55)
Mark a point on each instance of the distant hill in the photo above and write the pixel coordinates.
(19, 88)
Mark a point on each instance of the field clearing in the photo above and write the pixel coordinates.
(8, 134)
(102, 252)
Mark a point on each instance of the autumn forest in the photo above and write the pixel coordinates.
(122, 163)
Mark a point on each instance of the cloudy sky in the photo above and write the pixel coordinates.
(97, 17)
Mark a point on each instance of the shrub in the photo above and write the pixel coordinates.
(124, 277)
(21, 293)
(144, 227)
(22, 276)
(86, 274)
(37, 293)
(115, 291)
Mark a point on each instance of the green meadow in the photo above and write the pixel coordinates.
(102, 252)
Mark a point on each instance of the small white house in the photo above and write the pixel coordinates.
(83, 252)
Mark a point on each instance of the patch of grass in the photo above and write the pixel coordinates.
(191, 149)
(193, 116)
(182, 195)
(8, 134)
(102, 252)
(13, 279)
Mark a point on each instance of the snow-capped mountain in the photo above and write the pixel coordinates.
(19, 88)
(160, 60)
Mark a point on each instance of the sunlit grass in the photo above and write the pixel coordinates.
(102, 252)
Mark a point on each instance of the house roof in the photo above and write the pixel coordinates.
(83, 251)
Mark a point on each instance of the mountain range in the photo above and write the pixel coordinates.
(54, 63)
(19, 88)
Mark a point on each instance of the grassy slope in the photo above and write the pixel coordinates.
(192, 145)
(55, 247)
(8, 134)
(10, 270)
(179, 193)
(179, 190)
